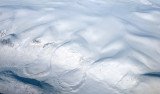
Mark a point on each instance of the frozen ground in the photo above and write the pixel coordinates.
(80, 46)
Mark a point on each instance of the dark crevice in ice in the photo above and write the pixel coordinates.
(153, 74)
(40, 84)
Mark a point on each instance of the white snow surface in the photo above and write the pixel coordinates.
(80, 46)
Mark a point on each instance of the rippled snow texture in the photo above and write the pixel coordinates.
(80, 46)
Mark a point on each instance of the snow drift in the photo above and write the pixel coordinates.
(79, 46)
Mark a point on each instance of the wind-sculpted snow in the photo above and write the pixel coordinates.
(79, 46)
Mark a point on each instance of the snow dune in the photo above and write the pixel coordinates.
(79, 46)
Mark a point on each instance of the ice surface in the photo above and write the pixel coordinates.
(80, 46)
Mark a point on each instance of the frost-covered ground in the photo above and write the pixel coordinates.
(80, 46)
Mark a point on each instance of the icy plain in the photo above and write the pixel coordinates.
(80, 46)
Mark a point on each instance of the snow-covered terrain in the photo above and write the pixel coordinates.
(80, 46)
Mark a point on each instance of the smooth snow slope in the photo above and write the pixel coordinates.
(80, 46)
